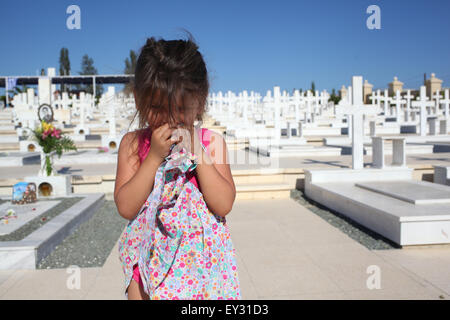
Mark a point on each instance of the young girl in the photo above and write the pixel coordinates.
(170, 90)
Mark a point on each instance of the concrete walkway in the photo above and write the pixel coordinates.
(284, 251)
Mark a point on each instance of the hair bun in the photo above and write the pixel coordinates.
(156, 47)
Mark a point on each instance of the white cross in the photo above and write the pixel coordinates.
(245, 102)
(324, 98)
(376, 98)
(297, 102)
(276, 102)
(357, 110)
(385, 99)
(446, 102)
(219, 99)
(398, 101)
(422, 103)
(323, 101)
(212, 102)
(437, 97)
(408, 98)
(308, 100)
(316, 102)
(231, 103)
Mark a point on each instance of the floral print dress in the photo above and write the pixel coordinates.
(183, 250)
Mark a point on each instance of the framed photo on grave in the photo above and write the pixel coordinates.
(45, 113)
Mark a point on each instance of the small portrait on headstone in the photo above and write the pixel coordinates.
(45, 113)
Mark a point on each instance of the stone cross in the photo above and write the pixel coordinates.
(276, 102)
(30, 96)
(297, 102)
(422, 103)
(220, 101)
(284, 103)
(408, 98)
(308, 100)
(323, 101)
(230, 101)
(65, 101)
(385, 99)
(112, 114)
(252, 102)
(268, 104)
(212, 103)
(245, 103)
(398, 101)
(350, 95)
(437, 97)
(357, 110)
(376, 98)
(82, 108)
(446, 102)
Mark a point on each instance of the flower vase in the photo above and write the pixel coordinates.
(47, 161)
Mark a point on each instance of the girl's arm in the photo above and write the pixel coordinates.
(214, 175)
(134, 182)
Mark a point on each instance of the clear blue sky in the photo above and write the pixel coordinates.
(250, 45)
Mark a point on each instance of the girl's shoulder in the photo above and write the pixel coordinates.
(134, 142)
(134, 137)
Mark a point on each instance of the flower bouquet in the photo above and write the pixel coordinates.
(52, 142)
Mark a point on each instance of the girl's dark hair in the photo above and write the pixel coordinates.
(170, 78)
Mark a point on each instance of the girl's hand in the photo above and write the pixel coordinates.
(161, 142)
(190, 140)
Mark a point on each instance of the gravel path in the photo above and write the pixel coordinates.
(91, 243)
(364, 236)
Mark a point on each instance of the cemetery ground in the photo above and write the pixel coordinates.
(287, 248)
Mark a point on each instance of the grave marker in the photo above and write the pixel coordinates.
(422, 103)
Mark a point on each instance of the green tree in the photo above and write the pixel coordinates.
(130, 63)
(64, 65)
(334, 97)
(130, 66)
(87, 68)
(313, 87)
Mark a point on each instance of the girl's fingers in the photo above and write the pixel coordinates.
(171, 141)
(160, 130)
(168, 143)
(167, 133)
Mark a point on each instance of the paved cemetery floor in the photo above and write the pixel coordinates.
(284, 251)
(240, 160)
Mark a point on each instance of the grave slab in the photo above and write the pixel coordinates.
(414, 192)
(28, 252)
(25, 213)
(387, 201)
(295, 151)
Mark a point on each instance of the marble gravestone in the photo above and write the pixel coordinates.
(385, 198)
